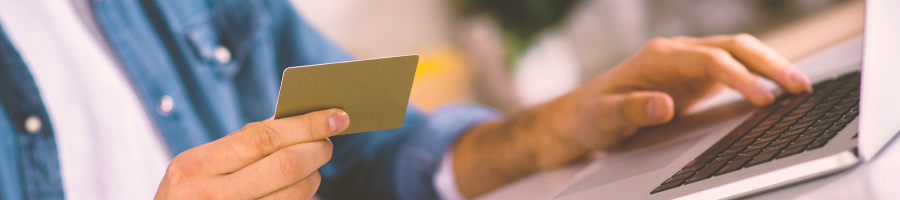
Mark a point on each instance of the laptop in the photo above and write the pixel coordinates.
(736, 150)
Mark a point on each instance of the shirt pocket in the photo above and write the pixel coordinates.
(224, 36)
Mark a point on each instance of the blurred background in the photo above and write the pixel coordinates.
(511, 54)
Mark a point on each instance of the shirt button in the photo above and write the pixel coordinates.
(32, 124)
(166, 105)
(223, 55)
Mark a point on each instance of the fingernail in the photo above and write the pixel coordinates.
(798, 77)
(764, 93)
(653, 110)
(338, 121)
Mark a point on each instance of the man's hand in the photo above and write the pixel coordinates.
(665, 78)
(272, 159)
(668, 76)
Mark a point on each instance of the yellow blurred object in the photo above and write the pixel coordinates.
(441, 77)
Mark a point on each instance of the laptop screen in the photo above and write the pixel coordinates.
(879, 118)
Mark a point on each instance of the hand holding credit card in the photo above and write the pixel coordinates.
(374, 92)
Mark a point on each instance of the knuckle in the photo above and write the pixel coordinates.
(743, 39)
(680, 38)
(657, 43)
(308, 186)
(715, 60)
(288, 165)
(266, 139)
(315, 127)
(248, 126)
(181, 171)
(716, 55)
(301, 190)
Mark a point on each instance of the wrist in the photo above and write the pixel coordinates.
(556, 143)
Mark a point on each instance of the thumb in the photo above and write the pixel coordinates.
(637, 109)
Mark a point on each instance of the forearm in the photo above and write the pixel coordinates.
(497, 153)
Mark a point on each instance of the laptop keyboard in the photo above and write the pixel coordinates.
(794, 124)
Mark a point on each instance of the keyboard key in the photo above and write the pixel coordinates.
(776, 131)
(819, 143)
(808, 118)
(774, 147)
(700, 160)
(784, 139)
(743, 143)
(771, 133)
(794, 131)
(805, 106)
(800, 143)
(811, 100)
(732, 166)
(746, 154)
(765, 139)
(665, 187)
(835, 96)
(831, 119)
(853, 94)
(815, 114)
(687, 170)
(766, 123)
(705, 173)
(802, 124)
(791, 151)
(833, 113)
(722, 158)
(678, 178)
(844, 90)
(732, 150)
(761, 158)
(756, 146)
(818, 128)
(787, 121)
(750, 136)
(854, 111)
(846, 103)
(807, 136)
(846, 119)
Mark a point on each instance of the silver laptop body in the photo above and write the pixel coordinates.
(648, 166)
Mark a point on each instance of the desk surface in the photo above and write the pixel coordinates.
(876, 179)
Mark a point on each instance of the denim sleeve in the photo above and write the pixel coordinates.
(398, 163)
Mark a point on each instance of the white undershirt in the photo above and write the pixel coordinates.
(108, 148)
(445, 179)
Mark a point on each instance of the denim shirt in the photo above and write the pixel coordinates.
(168, 48)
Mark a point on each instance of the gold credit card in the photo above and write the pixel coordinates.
(374, 93)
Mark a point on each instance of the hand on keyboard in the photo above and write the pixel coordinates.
(665, 78)
(669, 75)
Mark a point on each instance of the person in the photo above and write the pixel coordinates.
(98, 96)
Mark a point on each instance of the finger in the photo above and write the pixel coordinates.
(724, 68)
(645, 108)
(248, 126)
(759, 58)
(283, 168)
(621, 114)
(304, 189)
(242, 148)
